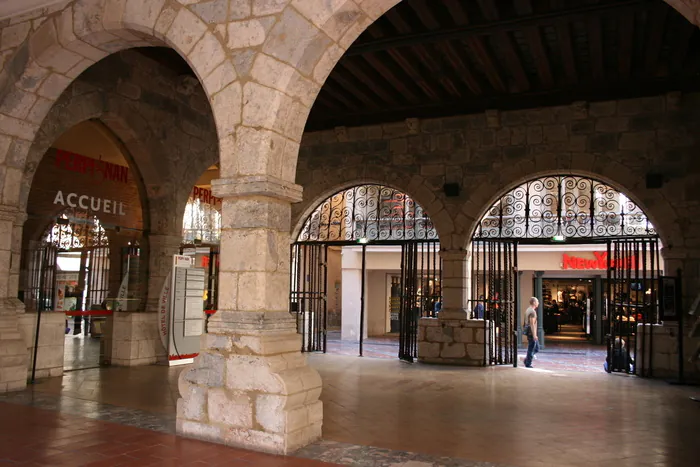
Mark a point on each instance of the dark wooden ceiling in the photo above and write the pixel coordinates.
(428, 58)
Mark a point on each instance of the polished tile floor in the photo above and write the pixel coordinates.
(559, 355)
(385, 409)
(38, 437)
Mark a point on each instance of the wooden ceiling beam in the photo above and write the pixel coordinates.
(595, 44)
(355, 90)
(325, 101)
(539, 55)
(405, 64)
(534, 40)
(683, 32)
(452, 56)
(370, 82)
(457, 12)
(423, 54)
(390, 76)
(561, 96)
(335, 93)
(567, 52)
(625, 44)
(504, 44)
(471, 30)
(656, 28)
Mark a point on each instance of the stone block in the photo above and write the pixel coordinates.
(429, 322)
(235, 410)
(249, 373)
(428, 350)
(439, 334)
(256, 440)
(456, 350)
(464, 335)
(475, 351)
(198, 430)
(193, 404)
(612, 124)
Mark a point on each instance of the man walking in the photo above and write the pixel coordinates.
(530, 330)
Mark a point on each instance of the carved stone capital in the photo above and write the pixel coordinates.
(257, 186)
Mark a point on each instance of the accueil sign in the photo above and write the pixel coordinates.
(600, 261)
(91, 203)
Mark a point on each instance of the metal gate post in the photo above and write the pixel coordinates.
(362, 297)
(598, 290)
(540, 309)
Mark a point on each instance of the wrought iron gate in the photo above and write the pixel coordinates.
(308, 294)
(632, 300)
(41, 278)
(420, 292)
(494, 297)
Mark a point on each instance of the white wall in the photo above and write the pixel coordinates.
(352, 286)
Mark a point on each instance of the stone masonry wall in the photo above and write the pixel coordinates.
(452, 342)
(486, 154)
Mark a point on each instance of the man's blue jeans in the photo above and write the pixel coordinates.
(533, 347)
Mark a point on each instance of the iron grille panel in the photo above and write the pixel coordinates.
(373, 212)
(570, 206)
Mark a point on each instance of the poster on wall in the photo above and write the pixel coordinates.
(668, 298)
(66, 283)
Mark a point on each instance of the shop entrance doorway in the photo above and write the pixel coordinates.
(590, 256)
(69, 274)
(349, 288)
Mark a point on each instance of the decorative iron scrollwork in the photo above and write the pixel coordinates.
(75, 230)
(567, 206)
(373, 212)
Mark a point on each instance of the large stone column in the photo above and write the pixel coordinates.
(14, 357)
(454, 284)
(251, 386)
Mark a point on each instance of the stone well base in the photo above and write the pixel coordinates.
(664, 363)
(452, 341)
(132, 339)
(13, 350)
(52, 338)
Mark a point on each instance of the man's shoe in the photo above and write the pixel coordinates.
(528, 366)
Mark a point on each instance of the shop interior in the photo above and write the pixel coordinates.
(568, 307)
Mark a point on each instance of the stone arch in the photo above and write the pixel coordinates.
(72, 39)
(414, 187)
(669, 233)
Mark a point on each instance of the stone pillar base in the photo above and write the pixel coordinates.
(251, 387)
(131, 339)
(452, 341)
(52, 339)
(14, 357)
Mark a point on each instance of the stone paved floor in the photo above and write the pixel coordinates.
(382, 412)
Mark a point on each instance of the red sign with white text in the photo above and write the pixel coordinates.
(601, 261)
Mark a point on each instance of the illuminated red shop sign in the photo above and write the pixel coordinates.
(601, 261)
(101, 170)
(205, 196)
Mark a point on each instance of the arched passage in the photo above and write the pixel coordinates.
(366, 260)
(533, 241)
